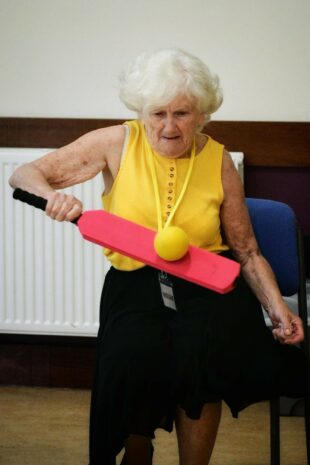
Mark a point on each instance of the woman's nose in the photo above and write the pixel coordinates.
(170, 123)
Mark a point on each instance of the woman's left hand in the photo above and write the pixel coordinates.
(239, 234)
(287, 326)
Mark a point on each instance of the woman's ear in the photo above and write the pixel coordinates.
(202, 119)
(201, 122)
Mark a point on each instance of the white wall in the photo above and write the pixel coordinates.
(61, 58)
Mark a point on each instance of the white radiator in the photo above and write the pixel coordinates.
(50, 278)
(238, 159)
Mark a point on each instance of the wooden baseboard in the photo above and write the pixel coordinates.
(50, 361)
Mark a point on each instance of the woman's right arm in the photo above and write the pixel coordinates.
(72, 164)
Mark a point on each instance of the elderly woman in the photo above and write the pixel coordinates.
(156, 364)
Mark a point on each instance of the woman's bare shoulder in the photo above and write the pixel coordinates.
(107, 140)
(83, 158)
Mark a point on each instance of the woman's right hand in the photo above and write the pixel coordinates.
(63, 207)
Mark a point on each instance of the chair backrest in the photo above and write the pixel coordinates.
(275, 228)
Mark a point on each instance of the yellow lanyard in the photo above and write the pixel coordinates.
(156, 190)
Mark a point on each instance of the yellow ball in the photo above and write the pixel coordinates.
(171, 243)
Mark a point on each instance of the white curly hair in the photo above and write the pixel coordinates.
(155, 79)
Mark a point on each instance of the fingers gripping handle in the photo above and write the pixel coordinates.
(31, 199)
(34, 201)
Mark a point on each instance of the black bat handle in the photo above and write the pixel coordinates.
(31, 199)
(34, 200)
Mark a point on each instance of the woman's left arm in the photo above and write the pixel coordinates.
(236, 224)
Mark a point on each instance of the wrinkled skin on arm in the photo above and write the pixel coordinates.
(83, 159)
(236, 224)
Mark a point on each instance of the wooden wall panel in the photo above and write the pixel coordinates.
(46, 132)
(272, 144)
(277, 144)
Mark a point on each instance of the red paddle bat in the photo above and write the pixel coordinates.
(128, 238)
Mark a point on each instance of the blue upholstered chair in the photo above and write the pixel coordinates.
(280, 241)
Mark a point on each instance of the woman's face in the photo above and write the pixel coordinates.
(170, 129)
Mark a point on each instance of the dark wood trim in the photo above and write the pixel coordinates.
(276, 144)
(269, 144)
(44, 339)
(54, 361)
(46, 132)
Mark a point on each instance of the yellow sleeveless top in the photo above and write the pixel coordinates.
(132, 194)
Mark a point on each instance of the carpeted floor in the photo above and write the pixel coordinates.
(40, 426)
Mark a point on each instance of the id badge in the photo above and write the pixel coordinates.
(166, 289)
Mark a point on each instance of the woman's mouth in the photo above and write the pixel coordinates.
(170, 137)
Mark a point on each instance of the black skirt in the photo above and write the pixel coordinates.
(152, 359)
